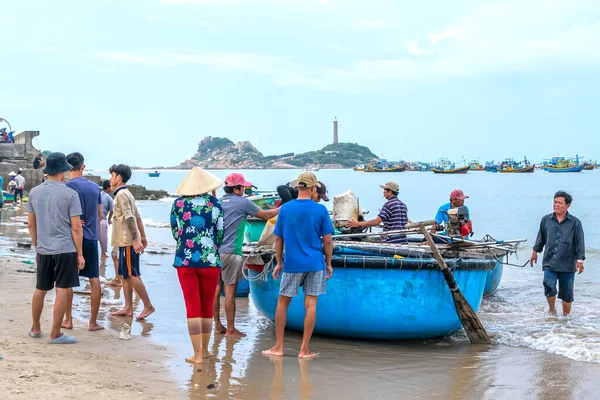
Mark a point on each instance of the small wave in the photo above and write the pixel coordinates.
(155, 224)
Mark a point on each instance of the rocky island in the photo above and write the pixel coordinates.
(222, 153)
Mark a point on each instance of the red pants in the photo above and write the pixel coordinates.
(198, 286)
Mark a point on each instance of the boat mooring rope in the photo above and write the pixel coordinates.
(264, 274)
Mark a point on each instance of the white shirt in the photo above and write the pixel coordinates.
(20, 181)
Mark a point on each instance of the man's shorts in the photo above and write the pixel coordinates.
(231, 271)
(18, 193)
(566, 282)
(58, 270)
(313, 283)
(90, 254)
(129, 262)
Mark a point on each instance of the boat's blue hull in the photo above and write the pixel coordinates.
(578, 168)
(243, 289)
(493, 279)
(379, 303)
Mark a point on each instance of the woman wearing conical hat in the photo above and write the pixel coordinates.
(197, 226)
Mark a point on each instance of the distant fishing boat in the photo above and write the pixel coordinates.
(444, 166)
(476, 166)
(589, 165)
(385, 166)
(511, 166)
(562, 164)
(491, 167)
(359, 167)
(154, 174)
(311, 169)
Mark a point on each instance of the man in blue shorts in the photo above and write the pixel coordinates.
(91, 206)
(130, 237)
(55, 228)
(308, 248)
(562, 235)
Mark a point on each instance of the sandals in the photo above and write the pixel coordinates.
(35, 335)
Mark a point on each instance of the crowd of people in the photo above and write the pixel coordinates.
(68, 224)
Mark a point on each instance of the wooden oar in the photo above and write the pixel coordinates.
(473, 327)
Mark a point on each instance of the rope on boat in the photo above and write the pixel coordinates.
(262, 275)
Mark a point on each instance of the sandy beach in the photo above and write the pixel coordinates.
(98, 363)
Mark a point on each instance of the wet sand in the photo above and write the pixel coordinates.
(448, 368)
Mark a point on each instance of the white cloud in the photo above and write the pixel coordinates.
(370, 24)
(449, 33)
(413, 48)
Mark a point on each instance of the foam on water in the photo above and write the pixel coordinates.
(155, 224)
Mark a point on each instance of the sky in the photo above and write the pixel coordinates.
(144, 81)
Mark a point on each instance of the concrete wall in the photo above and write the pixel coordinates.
(32, 177)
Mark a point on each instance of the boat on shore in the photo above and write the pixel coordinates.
(511, 166)
(445, 166)
(378, 295)
(562, 164)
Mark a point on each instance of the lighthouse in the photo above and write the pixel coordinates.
(335, 130)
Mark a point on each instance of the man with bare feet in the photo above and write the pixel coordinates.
(91, 207)
(129, 236)
(107, 213)
(308, 248)
(57, 235)
(237, 208)
(114, 255)
(562, 235)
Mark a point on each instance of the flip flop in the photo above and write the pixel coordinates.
(35, 335)
(64, 339)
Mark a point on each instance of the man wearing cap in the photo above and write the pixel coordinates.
(236, 208)
(457, 199)
(56, 232)
(393, 214)
(308, 249)
(289, 192)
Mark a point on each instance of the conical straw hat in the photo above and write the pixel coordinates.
(198, 181)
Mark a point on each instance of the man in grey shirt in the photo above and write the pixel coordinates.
(107, 212)
(56, 232)
(236, 208)
(562, 235)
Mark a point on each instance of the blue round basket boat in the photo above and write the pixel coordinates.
(381, 297)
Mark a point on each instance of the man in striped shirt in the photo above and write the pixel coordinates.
(394, 215)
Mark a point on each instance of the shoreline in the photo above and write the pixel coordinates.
(120, 369)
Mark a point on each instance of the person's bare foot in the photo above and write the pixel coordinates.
(95, 327)
(67, 324)
(307, 354)
(122, 313)
(103, 256)
(115, 282)
(145, 313)
(194, 360)
(273, 352)
(552, 311)
(207, 355)
(219, 328)
(234, 333)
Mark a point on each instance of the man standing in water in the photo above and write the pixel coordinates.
(236, 209)
(55, 228)
(562, 235)
(91, 206)
(129, 236)
(308, 249)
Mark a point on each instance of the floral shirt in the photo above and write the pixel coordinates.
(197, 226)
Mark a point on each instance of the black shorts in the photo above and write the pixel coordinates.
(58, 270)
(18, 193)
(129, 262)
(90, 254)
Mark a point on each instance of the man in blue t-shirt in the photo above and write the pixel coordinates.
(304, 230)
(457, 199)
(91, 206)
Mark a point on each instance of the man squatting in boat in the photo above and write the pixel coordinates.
(393, 214)
(561, 234)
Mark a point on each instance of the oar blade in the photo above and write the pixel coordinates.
(473, 327)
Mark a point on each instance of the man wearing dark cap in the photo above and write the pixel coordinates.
(56, 232)
(393, 214)
(457, 199)
(289, 192)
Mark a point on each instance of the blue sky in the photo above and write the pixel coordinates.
(143, 81)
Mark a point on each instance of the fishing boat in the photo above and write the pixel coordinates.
(589, 165)
(445, 166)
(476, 166)
(385, 166)
(359, 167)
(154, 174)
(382, 292)
(491, 167)
(311, 169)
(562, 164)
(511, 166)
